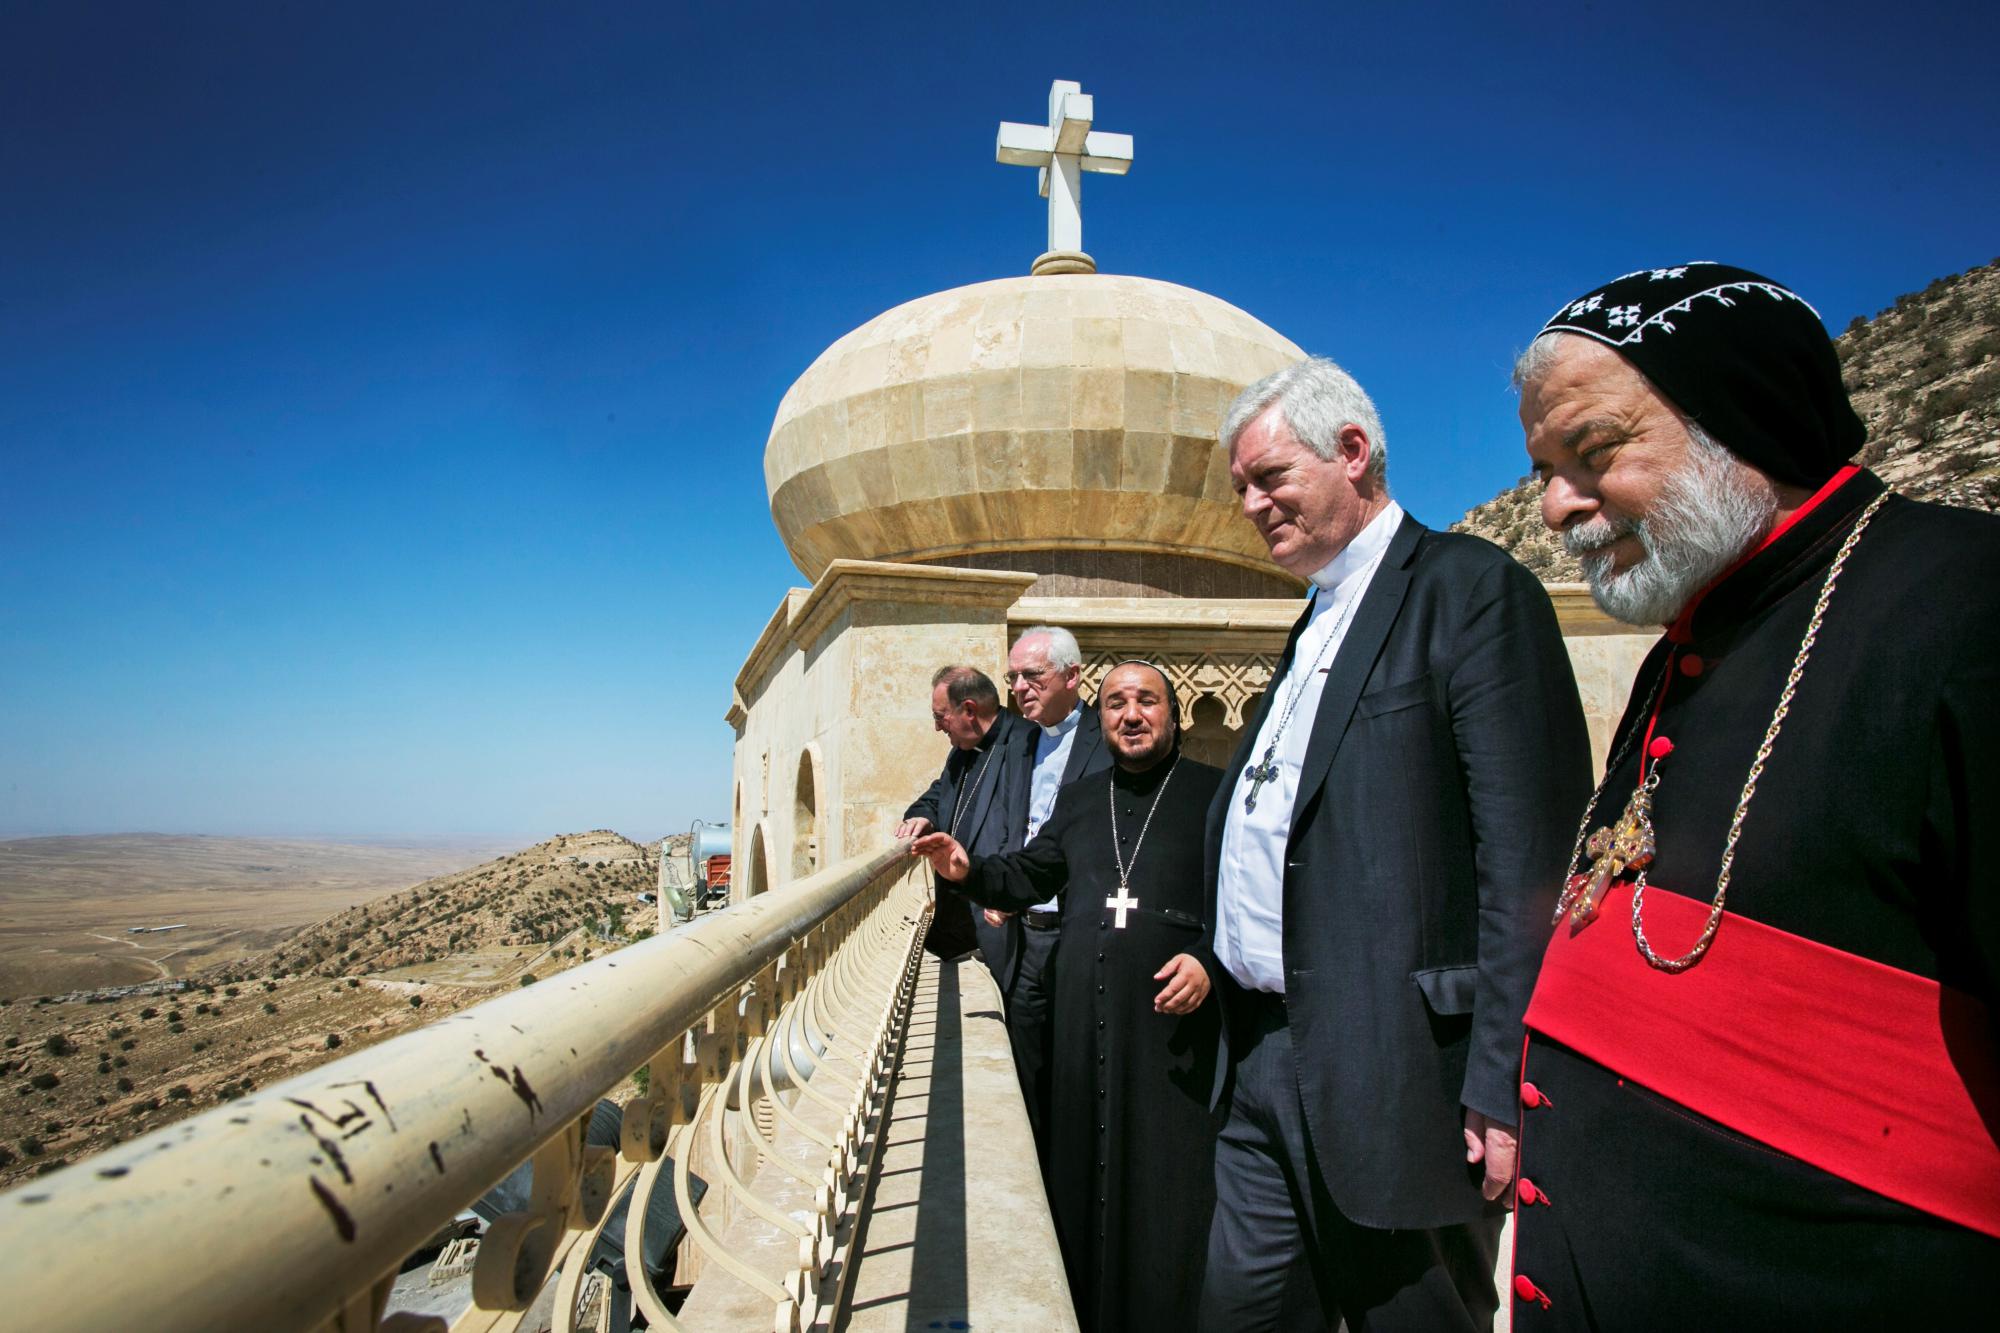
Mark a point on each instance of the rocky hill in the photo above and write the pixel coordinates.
(1924, 376)
(91, 1072)
(572, 882)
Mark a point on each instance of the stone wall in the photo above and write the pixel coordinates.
(832, 709)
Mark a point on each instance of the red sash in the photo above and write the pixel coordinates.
(1880, 1077)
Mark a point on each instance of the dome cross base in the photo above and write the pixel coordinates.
(1062, 261)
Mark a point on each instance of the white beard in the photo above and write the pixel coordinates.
(1707, 515)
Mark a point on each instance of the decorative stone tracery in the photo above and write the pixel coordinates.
(1235, 680)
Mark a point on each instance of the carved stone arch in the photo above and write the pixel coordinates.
(808, 813)
(757, 872)
(1208, 738)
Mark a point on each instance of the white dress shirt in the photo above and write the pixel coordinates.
(1052, 749)
(1250, 893)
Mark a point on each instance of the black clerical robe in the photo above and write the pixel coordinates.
(1132, 1141)
(1798, 1130)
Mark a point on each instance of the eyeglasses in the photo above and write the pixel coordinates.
(1026, 677)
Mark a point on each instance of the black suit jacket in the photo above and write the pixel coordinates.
(996, 820)
(1436, 807)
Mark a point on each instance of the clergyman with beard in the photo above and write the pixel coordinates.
(1131, 1141)
(1761, 1087)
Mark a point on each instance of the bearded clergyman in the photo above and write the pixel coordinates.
(1131, 1141)
(1761, 1087)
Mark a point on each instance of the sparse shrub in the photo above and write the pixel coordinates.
(149, 1012)
(270, 1008)
(177, 1027)
(416, 1002)
(231, 991)
(119, 1061)
(201, 1046)
(333, 1041)
(52, 1127)
(44, 1081)
(103, 1066)
(353, 982)
(527, 978)
(174, 1015)
(201, 1009)
(12, 1042)
(130, 1043)
(180, 1092)
(31, 1146)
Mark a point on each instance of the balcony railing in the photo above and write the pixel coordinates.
(294, 1207)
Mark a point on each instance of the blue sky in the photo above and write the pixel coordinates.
(384, 388)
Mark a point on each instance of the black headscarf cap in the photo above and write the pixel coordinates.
(1743, 357)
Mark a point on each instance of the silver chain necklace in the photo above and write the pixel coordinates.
(1259, 774)
(1125, 902)
(966, 793)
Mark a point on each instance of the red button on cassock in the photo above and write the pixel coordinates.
(1531, 1195)
(1531, 1097)
(1692, 665)
(1528, 1291)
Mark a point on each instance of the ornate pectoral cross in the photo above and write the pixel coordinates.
(1259, 774)
(1615, 849)
(1120, 905)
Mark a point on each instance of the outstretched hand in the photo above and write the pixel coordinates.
(947, 858)
(1497, 1145)
(1186, 988)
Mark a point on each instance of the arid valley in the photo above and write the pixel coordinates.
(288, 954)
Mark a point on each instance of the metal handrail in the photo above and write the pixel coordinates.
(294, 1206)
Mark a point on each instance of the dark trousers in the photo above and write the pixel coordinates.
(1028, 1028)
(1280, 1254)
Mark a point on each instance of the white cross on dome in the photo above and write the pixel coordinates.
(1063, 149)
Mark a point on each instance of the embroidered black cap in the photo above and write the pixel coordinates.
(1742, 356)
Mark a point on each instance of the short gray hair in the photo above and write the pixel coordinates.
(1541, 356)
(1063, 651)
(1317, 399)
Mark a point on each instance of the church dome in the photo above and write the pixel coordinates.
(1062, 424)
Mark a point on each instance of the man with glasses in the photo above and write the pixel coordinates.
(1045, 671)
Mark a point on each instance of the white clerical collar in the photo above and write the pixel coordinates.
(1067, 725)
(1358, 554)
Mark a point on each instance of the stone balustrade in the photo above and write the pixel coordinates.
(771, 1032)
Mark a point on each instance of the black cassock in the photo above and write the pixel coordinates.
(1132, 1142)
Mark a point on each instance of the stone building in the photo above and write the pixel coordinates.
(1029, 450)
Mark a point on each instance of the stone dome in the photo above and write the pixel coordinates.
(1062, 424)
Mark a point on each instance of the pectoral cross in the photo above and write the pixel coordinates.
(1259, 774)
(1120, 905)
(1614, 849)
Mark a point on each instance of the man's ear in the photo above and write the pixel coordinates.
(1355, 450)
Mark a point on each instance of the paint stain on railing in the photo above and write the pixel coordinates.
(519, 1083)
(343, 1221)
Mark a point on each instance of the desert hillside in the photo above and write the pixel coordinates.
(91, 1070)
(1924, 376)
